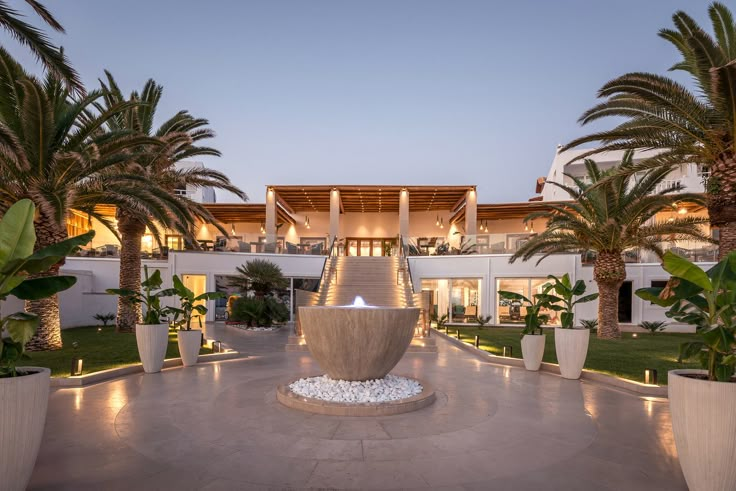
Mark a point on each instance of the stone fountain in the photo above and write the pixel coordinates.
(357, 346)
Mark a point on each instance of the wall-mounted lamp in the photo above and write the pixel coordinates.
(438, 221)
(263, 228)
(531, 228)
(232, 229)
(442, 223)
(306, 222)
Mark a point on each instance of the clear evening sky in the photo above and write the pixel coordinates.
(373, 92)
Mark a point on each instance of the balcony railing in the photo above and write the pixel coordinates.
(695, 251)
(466, 244)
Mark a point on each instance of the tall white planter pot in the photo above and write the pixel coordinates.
(152, 340)
(571, 346)
(189, 344)
(23, 403)
(705, 430)
(532, 350)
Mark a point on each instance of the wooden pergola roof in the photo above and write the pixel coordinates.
(244, 212)
(225, 212)
(370, 199)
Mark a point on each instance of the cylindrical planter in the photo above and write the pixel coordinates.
(705, 430)
(571, 346)
(152, 340)
(532, 350)
(189, 344)
(23, 403)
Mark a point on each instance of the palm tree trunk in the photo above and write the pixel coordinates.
(609, 273)
(48, 335)
(131, 231)
(721, 191)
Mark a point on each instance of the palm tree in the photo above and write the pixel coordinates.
(178, 139)
(40, 45)
(687, 126)
(261, 276)
(611, 212)
(53, 151)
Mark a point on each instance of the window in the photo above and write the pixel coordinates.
(175, 242)
(457, 297)
(513, 312)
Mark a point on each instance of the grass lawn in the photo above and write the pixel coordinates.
(99, 350)
(626, 357)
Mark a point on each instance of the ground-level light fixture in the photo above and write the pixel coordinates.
(77, 364)
(508, 351)
(477, 341)
(650, 376)
(635, 335)
(217, 346)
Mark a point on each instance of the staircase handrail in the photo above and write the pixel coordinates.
(402, 256)
(329, 255)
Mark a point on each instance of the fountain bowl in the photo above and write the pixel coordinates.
(358, 343)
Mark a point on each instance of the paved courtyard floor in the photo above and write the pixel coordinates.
(219, 426)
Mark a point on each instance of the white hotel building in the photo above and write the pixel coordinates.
(456, 248)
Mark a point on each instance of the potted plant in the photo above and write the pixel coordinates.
(532, 344)
(571, 343)
(702, 401)
(24, 390)
(189, 340)
(152, 336)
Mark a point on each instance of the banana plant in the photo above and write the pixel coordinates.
(189, 305)
(150, 296)
(706, 300)
(565, 295)
(533, 320)
(17, 263)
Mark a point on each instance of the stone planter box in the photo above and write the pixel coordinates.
(23, 404)
(152, 340)
(571, 346)
(705, 430)
(189, 344)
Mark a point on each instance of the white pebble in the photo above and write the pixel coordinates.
(390, 388)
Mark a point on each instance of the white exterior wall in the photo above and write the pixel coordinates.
(489, 268)
(95, 275)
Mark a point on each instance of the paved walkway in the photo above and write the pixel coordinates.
(219, 426)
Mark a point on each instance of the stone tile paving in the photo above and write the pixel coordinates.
(219, 426)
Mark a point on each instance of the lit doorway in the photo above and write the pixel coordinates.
(383, 246)
(198, 284)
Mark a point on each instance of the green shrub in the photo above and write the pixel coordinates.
(653, 326)
(259, 312)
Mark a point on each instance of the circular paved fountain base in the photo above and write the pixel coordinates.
(309, 404)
